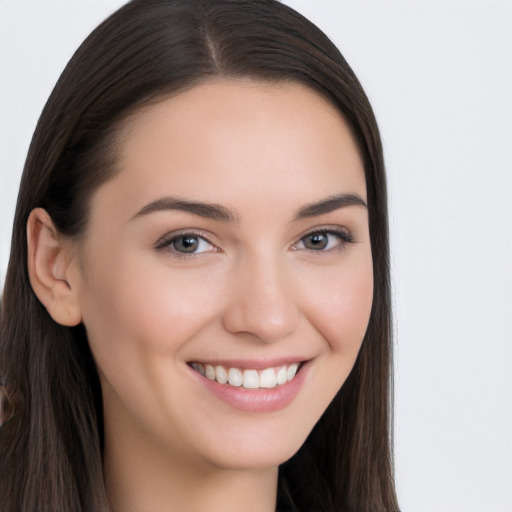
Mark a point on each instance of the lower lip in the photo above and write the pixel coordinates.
(257, 400)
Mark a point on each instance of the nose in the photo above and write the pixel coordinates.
(262, 302)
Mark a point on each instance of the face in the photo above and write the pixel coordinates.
(232, 245)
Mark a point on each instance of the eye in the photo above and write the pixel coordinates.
(186, 244)
(323, 240)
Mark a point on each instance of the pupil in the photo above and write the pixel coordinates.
(316, 241)
(186, 244)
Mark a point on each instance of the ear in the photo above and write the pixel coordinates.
(50, 258)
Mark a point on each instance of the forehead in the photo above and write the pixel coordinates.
(224, 140)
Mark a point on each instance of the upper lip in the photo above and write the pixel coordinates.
(253, 364)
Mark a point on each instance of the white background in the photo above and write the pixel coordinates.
(439, 75)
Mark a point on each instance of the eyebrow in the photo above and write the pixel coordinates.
(330, 204)
(221, 213)
(206, 210)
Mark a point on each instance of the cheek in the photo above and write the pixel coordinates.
(143, 310)
(138, 318)
(342, 305)
(339, 309)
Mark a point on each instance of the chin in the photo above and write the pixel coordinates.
(255, 457)
(267, 443)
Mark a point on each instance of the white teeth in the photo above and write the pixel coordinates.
(222, 374)
(268, 378)
(210, 372)
(249, 379)
(291, 371)
(235, 377)
(281, 375)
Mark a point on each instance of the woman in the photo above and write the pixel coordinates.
(196, 313)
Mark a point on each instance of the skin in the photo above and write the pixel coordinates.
(254, 291)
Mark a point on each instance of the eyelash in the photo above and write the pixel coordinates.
(167, 241)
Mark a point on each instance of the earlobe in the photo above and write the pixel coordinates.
(49, 260)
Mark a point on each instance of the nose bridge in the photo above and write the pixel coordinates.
(263, 303)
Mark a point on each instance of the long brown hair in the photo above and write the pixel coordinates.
(51, 451)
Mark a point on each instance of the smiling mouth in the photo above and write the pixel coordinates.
(266, 378)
